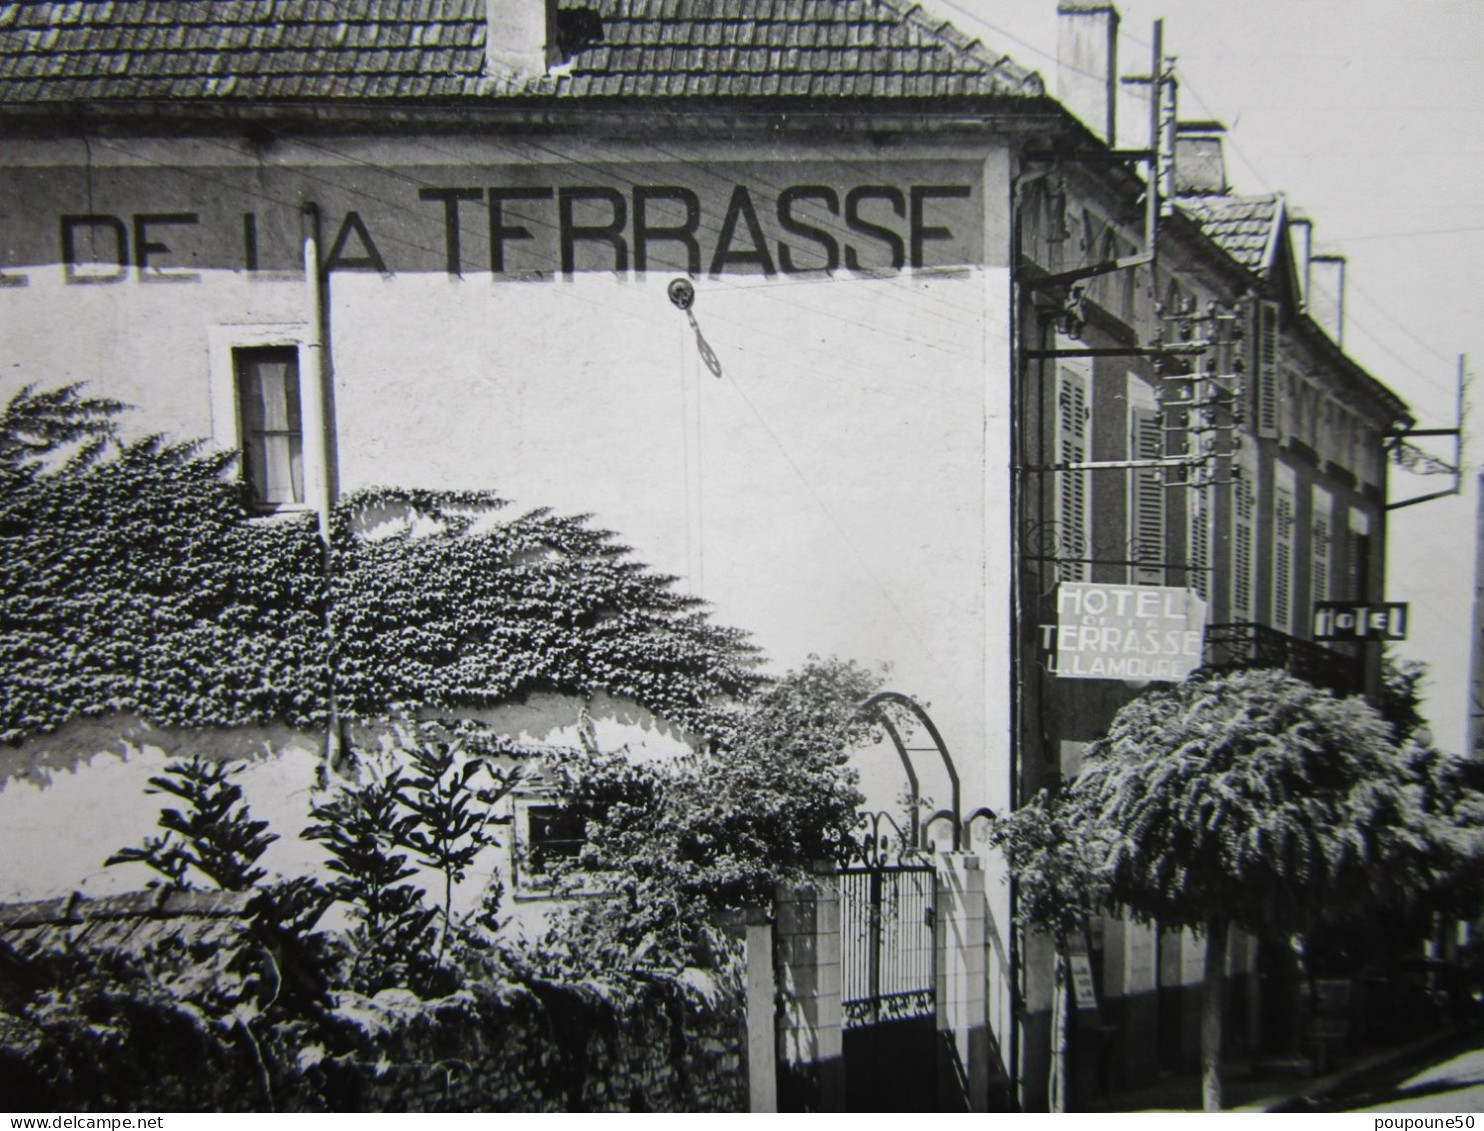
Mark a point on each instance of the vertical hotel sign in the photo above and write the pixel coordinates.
(1132, 632)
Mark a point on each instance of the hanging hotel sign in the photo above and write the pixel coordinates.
(1349, 620)
(1131, 632)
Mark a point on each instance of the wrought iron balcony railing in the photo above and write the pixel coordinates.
(1247, 645)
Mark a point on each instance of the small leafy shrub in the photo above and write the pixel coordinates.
(213, 835)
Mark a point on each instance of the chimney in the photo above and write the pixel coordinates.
(519, 37)
(1200, 166)
(1301, 230)
(1087, 64)
(1327, 294)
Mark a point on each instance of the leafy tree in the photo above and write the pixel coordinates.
(422, 798)
(1401, 694)
(447, 823)
(1054, 857)
(1253, 799)
(680, 843)
(214, 834)
(361, 827)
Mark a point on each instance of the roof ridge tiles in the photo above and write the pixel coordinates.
(404, 48)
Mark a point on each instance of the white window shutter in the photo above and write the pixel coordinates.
(1147, 498)
(1283, 523)
(1244, 547)
(1320, 554)
(1073, 487)
(1199, 574)
(1266, 415)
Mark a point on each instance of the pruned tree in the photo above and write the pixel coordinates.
(1255, 800)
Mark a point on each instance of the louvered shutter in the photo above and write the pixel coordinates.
(1244, 545)
(1199, 574)
(1073, 490)
(1147, 499)
(1265, 370)
(1319, 553)
(1283, 521)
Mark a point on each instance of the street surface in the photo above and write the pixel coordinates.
(1454, 1082)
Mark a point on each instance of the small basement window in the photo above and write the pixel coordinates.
(270, 424)
(554, 834)
(548, 836)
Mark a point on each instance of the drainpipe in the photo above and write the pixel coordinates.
(319, 437)
(316, 405)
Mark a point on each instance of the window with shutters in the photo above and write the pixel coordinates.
(1244, 547)
(1199, 517)
(270, 425)
(1266, 409)
(1283, 524)
(1322, 537)
(1073, 486)
(1146, 497)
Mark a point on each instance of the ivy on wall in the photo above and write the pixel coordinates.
(134, 578)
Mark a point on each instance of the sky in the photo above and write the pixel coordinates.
(1365, 116)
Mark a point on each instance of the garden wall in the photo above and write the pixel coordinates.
(120, 1002)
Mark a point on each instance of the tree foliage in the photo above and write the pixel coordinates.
(1055, 857)
(1257, 797)
(1252, 798)
(214, 834)
(680, 843)
(1400, 703)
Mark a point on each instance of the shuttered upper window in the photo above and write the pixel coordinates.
(1146, 497)
(1199, 517)
(1073, 487)
(1266, 408)
(1322, 536)
(1244, 546)
(1284, 518)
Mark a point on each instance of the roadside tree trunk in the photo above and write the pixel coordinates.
(1212, 988)
(1061, 1031)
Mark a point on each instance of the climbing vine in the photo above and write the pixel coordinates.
(135, 578)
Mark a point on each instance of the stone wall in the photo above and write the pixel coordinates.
(126, 1003)
(652, 1045)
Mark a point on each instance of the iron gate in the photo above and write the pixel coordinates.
(888, 975)
(886, 937)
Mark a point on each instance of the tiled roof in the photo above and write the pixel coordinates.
(1241, 225)
(95, 50)
(126, 924)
